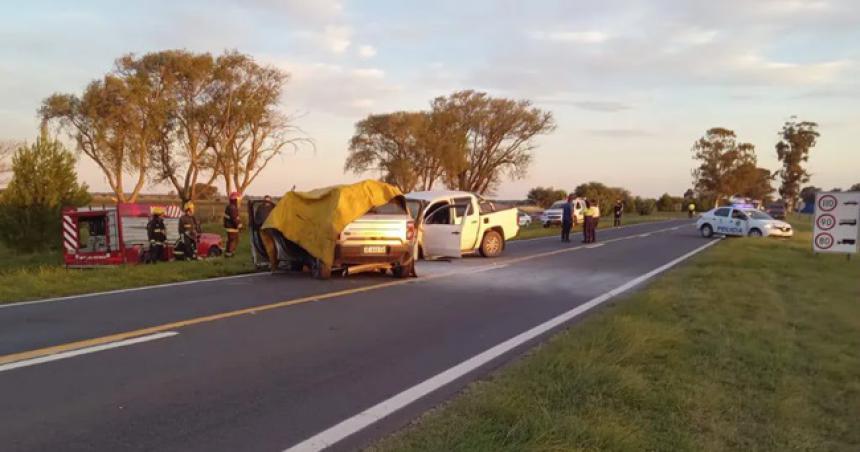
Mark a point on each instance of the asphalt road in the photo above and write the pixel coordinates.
(266, 362)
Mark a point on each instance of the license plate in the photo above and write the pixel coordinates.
(374, 250)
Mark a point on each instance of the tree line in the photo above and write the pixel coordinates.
(729, 167)
(184, 118)
(467, 141)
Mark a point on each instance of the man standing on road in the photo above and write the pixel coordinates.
(595, 219)
(189, 233)
(232, 224)
(587, 215)
(617, 212)
(157, 234)
(567, 219)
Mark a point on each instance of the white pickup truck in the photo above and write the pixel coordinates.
(453, 223)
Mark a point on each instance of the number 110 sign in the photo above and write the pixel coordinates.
(837, 215)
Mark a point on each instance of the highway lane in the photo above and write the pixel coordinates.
(270, 380)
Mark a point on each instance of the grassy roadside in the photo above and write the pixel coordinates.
(753, 345)
(37, 276)
(537, 230)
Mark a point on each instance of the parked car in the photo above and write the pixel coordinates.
(453, 223)
(382, 239)
(739, 222)
(776, 210)
(524, 219)
(552, 216)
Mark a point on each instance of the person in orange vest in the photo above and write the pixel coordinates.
(232, 224)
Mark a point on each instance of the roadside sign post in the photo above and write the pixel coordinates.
(837, 223)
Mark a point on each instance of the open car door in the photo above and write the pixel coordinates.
(440, 236)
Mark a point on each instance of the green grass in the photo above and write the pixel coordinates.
(537, 230)
(752, 345)
(27, 277)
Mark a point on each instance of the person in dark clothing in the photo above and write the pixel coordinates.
(157, 234)
(232, 224)
(567, 219)
(617, 212)
(263, 210)
(189, 234)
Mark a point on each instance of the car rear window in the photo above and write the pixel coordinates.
(394, 207)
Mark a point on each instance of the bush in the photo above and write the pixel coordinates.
(645, 206)
(43, 182)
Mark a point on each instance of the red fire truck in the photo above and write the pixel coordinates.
(96, 236)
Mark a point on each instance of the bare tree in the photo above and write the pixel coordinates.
(243, 122)
(499, 137)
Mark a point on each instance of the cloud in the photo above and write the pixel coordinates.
(366, 51)
(590, 105)
(619, 133)
(335, 89)
(578, 37)
(336, 38)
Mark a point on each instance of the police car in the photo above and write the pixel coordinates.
(741, 222)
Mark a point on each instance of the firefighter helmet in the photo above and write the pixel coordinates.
(189, 206)
(158, 210)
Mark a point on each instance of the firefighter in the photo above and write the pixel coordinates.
(157, 234)
(232, 224)
(691, 209)
(617, 211)
(189, 233)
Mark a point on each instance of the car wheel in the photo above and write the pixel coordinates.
(755, 233)
(320, 270)
(296, 266)
(214, 251)
(546, 225)
(492, 244)
(707, 231)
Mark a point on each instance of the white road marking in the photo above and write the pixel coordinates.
(132, 289)
(84, 351)
(596, 245)
(647, 234)
(368, 417)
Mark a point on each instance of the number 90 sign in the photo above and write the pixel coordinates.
(826, 222)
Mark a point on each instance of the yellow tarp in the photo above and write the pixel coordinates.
(314, 219)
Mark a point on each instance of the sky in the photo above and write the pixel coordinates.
(632, 84)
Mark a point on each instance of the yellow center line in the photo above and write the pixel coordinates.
(39, 352)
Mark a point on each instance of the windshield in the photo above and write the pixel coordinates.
(558, 204)
(758, 215)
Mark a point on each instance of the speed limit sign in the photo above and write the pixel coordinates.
(826, 222)
(824, 241)
(836, 228)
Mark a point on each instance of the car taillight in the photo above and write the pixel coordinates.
(410, 230)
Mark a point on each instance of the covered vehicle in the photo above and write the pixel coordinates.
(741, 222)
(349, 228)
